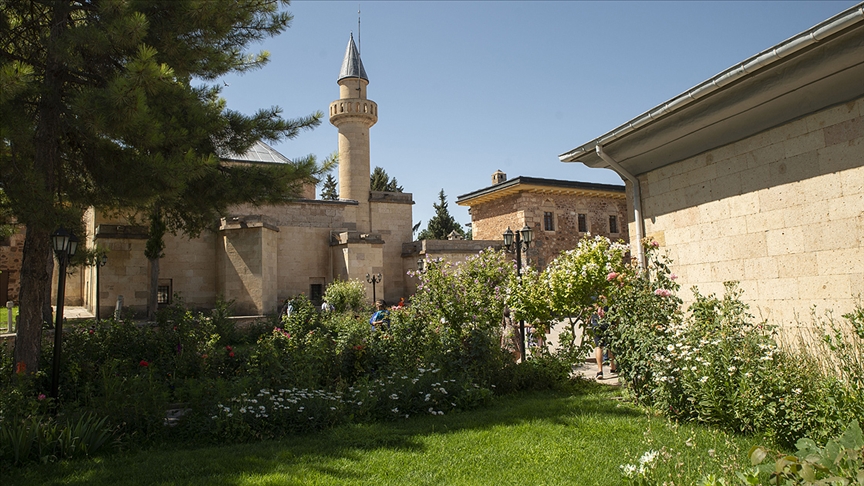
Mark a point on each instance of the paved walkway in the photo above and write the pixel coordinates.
(587, 369)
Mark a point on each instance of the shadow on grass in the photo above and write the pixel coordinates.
(334, 453)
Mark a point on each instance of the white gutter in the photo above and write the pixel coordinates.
(637, 203)
(769, 56)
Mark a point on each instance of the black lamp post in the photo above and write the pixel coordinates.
(522, 237)
(65, 243)
(373, 279)
(101, 263)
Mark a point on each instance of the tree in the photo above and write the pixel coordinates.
(98, 108)
(380, 181)
(328, 190)
(442, 224)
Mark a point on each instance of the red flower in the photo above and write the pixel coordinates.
(229, 348)
(231, 354)
(21, 368)
(143, 363)
(90, 331)
(359, 347)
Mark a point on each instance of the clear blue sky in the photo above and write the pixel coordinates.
(466, 88)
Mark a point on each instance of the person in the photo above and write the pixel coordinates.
(381, 317)
(510, 336)
(287, 309)
(401, 303)
(326, 306)
(599, 328)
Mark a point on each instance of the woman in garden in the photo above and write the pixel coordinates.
(510, 336)
(599, 328)
(381, 318)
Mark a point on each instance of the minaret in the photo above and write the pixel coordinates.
(353, 115)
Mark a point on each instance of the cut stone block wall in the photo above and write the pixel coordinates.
(781, 211)
(490, 220)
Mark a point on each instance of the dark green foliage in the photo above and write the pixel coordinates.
(380, 181)
(442, 224)
(328, 190)
(98, 108)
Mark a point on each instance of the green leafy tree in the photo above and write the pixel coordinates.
(328, 190)
(579, 282)
(380, 181)
(98, 108)
(442, 224)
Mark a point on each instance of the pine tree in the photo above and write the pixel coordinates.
(328, 190)
(98, 108)
(442, 224)
(380, 181)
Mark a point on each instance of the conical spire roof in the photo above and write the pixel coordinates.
(352, 66)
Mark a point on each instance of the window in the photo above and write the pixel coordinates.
(316, 292)
(163, 293)
(583, 223)
(613, 224)
(549, 221)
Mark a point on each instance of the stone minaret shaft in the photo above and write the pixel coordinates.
(353, 115)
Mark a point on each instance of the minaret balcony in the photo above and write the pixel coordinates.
(358, 109)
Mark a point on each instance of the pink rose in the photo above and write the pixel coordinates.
(611, 276)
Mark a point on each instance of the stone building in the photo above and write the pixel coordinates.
(757, 175)
(259, 256)
(559, 212)
(11, 251)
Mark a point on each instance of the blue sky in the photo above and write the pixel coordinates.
(466, 88)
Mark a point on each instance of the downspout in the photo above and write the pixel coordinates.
(637, 202)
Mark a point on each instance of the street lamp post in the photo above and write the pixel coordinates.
(522, 237)
(65, 243)
(99, 264)
(373, 279)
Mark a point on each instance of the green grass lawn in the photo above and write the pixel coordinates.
(4, 318)
(579, 437)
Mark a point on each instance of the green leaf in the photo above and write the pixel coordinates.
(852, 438)
(757, 455)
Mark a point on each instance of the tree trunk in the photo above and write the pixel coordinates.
(153, 252)
(34, 281)
(152, 295)
(37, 242)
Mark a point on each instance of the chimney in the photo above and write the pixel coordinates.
(498, 177)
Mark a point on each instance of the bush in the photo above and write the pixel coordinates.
(840, 461)
(346, 295)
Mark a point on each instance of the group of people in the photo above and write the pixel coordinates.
(599, 329)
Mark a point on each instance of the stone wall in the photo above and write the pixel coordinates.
(491, 219)
(781, 211)
(11, 251)
(391, 217)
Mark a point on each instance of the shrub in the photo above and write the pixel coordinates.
(840, 461)
(346, 295)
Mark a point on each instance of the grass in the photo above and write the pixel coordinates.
(4, 317)
(576, 437)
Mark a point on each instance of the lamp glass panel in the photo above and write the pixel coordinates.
(527, 234)
(508, 237)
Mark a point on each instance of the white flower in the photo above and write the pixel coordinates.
(648, 457)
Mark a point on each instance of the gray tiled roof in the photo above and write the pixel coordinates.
(260, 153)
(352, 66)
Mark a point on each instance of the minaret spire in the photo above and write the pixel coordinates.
(352, 66)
